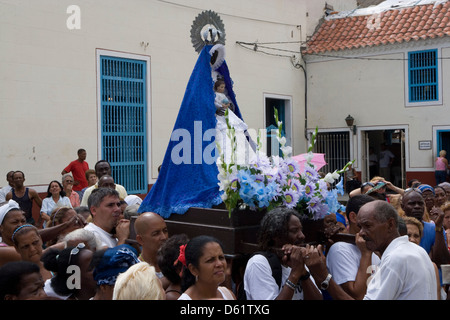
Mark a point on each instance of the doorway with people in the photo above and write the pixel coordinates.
(383, 154)
(443, 144)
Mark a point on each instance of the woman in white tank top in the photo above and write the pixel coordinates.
(204, 270)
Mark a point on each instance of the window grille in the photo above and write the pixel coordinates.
(423, 76)
(123, 121)
(336, 147)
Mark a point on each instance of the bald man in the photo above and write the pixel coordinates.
(151, 233)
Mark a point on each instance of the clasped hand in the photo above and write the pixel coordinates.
(310, 256)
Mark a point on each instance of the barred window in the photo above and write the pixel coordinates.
(123, 121)
(336, 147)
(423, 76)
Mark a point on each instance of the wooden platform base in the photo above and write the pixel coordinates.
(237, 232)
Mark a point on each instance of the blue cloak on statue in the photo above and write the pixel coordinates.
(188, 177)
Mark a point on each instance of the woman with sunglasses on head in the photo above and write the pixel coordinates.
(378, 184)
(73, 278)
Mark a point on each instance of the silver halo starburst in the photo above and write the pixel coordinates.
(207, 28)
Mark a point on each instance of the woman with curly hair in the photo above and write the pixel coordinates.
(279, 241)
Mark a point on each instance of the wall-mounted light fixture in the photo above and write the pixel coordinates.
(349, 120)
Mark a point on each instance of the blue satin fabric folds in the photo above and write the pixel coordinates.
(193, 182)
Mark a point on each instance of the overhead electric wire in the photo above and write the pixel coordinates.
(256, 47)
(264, 52)
(262, 44)
(366, 58)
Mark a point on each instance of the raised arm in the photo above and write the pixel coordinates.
(439, 252)
(357, 289)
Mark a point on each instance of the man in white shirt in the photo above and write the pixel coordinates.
(373, 163)
(405, 271)
(4, 191)
(104, 204)
(386, 159)
(351, 264)
(102, 168)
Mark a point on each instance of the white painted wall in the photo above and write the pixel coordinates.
(48, 72)
(373, 90)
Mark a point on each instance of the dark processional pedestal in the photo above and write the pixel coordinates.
(238, 232)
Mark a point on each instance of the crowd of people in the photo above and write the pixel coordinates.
(90, 243)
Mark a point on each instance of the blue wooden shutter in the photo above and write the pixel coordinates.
(123, 121)
(423, 76)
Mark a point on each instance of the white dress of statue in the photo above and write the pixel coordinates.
(244, 150)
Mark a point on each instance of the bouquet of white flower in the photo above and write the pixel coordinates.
(270, 182)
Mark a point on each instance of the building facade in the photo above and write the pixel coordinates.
(109, 76)
(388, 68)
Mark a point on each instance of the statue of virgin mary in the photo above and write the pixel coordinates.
(188, 174)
